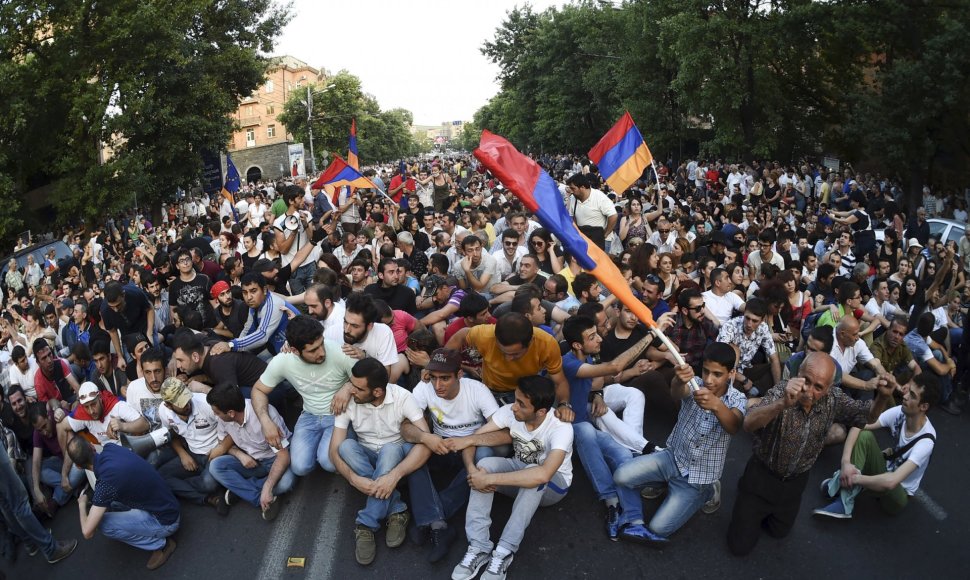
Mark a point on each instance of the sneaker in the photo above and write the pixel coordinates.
(62, 549)
(613, 521)
(641, 534)
(498, 566)
(159, 557)
(951, 408)
(366, 548)
(824, 487)
(230, 498)
(652, 492)
(273, 510)
(218, 501)
(470, 564)
(441, 540)
(714, 503)
(836, 510)
(397, 528)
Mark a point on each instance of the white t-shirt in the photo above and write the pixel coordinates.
(460, 416)
(99, 429)
(594, 212)
(919, 453)
(333, 326)
(200, 430)
(532, 447)
(851, 356)
(25, 380)
(298, 243)
(144, 401)
(379, 343)
(887, 310)
(722, 306)
(381, 425)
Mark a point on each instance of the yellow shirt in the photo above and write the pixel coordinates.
(569, 276)
(502, 375)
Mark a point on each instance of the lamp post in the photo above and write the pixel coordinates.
(309, 121)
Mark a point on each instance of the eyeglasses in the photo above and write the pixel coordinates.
(537, 243)
(664, 232)
(184, 260)
(510, 243)
(696, 308)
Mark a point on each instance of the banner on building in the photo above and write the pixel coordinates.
(297, 160)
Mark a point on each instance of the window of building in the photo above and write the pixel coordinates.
(270, 109)
(271, 131)
(250, 137)
(269, 86)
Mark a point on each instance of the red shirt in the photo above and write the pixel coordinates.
(46, 389)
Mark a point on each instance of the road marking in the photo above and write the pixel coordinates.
(284, 529)
(331, 524)
(935, 509)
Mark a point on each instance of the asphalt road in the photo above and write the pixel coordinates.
(564, 541)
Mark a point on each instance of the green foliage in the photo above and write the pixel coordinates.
(883, 81)
(156, 80)
(381, 135)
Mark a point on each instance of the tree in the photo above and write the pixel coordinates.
(381, 135)
(157, 81)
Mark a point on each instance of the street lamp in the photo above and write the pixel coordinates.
(309, 121)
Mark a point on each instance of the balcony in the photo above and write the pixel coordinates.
(249, 121)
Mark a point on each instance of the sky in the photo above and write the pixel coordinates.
(420, 55)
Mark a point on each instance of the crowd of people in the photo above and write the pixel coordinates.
(431, 333)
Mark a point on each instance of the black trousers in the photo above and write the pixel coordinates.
(766, 501)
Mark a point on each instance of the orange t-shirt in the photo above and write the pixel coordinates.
(502, 375)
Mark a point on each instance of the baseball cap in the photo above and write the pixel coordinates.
(133, 340)
(264, 265)
(445, 360)
(431, 284)
(67, 303)
(175, 392)
(87, 393)
(217, 289)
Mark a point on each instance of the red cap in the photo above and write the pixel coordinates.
(218, 288)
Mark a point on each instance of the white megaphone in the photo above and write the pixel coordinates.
(145, 444)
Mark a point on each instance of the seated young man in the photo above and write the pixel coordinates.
(538, 474)
(692, 463)
(455, 406)
(376, 461)
(865, 467)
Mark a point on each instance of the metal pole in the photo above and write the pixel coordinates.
(309, 115)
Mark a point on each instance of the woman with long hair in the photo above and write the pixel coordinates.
(907, 295)
(251, 245)
(540, 243)
(779, 317)
(633, 224)
(890, 249)
(665, 272)
(740, 280)
(643, 262)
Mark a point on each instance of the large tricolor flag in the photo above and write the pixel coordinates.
(621, 155)
(538, 192)
(231, 185)
(340, 174)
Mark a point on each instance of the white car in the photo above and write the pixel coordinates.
(942, 229)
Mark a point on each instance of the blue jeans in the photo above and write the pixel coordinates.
(302, 278)
(50, 475)
(16, 512)
(248, 483)
(683, 498)
(137, 528)
(946, 382)
(429, 504)
(194, 486)
(374, 464)
(601, 455)
(310, 444)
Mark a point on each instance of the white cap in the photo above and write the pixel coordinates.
(87, 393)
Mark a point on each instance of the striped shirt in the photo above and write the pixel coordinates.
(265, 327)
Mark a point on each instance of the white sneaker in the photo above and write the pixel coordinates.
(470, 564)
(714, 503)
(498, 567)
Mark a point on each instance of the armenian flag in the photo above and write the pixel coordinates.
(621, 155)
(538, 192)
(339, 174)
(231, 185)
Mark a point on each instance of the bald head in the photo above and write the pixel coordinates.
(847, 331)
(818, 372)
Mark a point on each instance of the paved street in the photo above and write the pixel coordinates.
(564, 541)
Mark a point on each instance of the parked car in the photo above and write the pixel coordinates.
(943, 229)
(39, 252)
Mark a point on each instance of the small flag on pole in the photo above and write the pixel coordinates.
(621, 155)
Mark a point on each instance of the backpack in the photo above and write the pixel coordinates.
(810, 322)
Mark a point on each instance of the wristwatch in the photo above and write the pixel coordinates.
(564, 404)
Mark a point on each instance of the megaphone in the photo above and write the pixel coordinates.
(145, 444)
(292, 223)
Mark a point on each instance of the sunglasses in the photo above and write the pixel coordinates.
(652, 278)
(696, 308)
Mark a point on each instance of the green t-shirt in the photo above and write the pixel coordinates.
(826, 318)
(316, 383)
